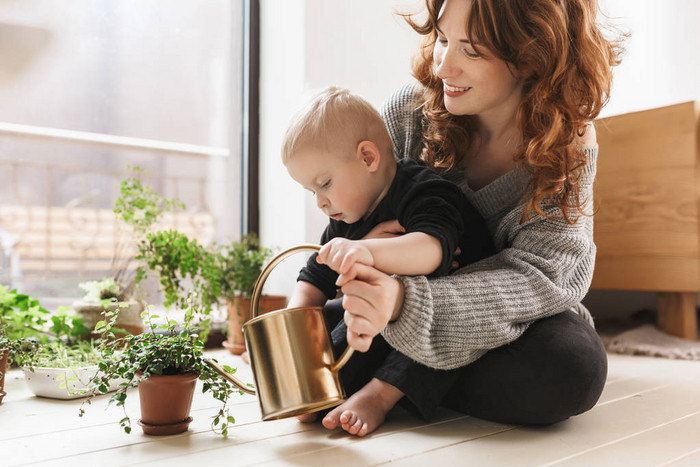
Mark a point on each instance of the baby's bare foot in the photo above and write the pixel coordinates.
(308, 417)
(365, 410)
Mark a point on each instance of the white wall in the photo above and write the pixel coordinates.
(364, 45)
(306, 46)
(662, 62)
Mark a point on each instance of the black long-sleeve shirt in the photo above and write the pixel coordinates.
(422, 201)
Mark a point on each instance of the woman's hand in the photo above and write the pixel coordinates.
(387, 229)
(371, 301)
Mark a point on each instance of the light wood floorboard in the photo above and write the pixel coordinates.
(649, 414)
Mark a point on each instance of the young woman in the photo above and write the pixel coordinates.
(505, 95)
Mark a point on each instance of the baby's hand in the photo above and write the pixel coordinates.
(341, 254)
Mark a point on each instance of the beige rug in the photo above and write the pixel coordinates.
(647, 340)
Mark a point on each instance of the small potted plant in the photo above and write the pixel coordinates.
(184, 267)
(104, 295)
(241, 264)
(62, 366)
(164, 363)
(22, 320)
(58, 370)
(17, 351)
(137, 209)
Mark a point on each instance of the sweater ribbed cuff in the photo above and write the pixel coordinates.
(403, 333)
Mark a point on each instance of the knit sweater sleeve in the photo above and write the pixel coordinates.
(543, 266)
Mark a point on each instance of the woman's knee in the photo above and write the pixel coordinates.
(572, 373)
(557, 369)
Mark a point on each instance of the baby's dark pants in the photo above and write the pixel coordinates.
(555, 370)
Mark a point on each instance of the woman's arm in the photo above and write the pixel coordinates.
(451, 321)
(543, 267)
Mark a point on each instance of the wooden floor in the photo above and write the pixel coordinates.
(649, 414)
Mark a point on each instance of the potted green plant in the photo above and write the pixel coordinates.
(164, 363)
(22, 320)
(106, 294)
(184, 267)
(17, 351)
(137, 209)
(58, 370)
(241, 264)
(62, 366)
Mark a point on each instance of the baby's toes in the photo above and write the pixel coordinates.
(363, 430)
(307, 418)
(348, 419)
(355, 427)
(331, 420)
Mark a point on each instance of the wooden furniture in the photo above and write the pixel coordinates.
(647, 223)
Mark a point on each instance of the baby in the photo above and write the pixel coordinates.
(338, 148)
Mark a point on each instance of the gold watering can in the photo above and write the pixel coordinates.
(291, 356)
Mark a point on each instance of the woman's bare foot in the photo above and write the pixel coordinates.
(365, 410)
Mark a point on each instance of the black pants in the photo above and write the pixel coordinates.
(555, 370)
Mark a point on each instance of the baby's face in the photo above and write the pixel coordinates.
(341, 182)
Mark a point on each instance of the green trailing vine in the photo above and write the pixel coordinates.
(169, 348)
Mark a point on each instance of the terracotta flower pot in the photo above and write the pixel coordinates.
(239, 312)
(165, 403)
(4, 354)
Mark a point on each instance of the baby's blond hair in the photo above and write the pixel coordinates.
(337, 120)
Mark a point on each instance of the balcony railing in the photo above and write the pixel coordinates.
(53, 234)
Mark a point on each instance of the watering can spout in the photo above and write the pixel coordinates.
(229, 377)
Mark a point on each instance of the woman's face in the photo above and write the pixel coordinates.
(472, 84)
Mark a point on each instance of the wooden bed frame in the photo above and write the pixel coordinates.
(647, 223)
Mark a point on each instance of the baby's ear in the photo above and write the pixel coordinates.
(369, 154)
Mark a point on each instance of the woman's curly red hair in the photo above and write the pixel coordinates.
(566, 64)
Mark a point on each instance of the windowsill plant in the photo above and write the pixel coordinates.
(106, 294)
(22, 320)
(183, 266)
(241, 264)
(186, 268)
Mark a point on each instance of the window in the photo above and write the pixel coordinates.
(91, 86)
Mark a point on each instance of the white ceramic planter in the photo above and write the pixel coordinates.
(45, 382)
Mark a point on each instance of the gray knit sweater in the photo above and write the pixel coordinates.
(542, 267)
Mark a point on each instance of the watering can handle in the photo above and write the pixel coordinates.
(260, 282)
(255, 301)
(257, 292)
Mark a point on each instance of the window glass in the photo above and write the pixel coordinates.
(96, 85)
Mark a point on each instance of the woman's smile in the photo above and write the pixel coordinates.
(454, 91)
